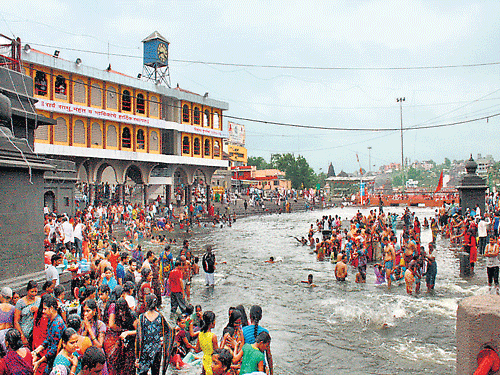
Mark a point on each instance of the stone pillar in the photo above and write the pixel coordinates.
(478, 326)
(472, 188)
(91, 193)
(145, 191)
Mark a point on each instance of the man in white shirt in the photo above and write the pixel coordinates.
(51, 272)
(68, 233)
(482, 232)
(78, 237)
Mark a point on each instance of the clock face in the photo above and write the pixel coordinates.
(162, 52)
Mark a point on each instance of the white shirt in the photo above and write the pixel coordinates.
(68, 232)
(482, 227)
(78, 232)
(51, 274)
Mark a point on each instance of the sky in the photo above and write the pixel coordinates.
(364, 54)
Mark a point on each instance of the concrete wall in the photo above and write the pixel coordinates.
(21, 222)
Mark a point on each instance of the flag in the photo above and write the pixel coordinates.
(440, 183)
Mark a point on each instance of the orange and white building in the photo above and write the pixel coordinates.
(151, 134)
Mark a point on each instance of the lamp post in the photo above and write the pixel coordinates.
(369, 159)
(400, 101)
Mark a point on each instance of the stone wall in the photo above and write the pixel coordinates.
(21, 222)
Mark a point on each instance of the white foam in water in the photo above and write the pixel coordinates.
(414, 351)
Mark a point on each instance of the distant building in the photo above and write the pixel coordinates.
(265, 179)
(483, 164)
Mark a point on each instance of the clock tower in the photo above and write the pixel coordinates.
(155, 59)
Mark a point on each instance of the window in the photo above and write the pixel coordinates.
(112, 136)
(141, 104)
(79, 91)
(60, 87)
(153, 106)
(207, 147)
(185, 113)
(96, 134)
(153, 141)
(206, 118)
(79, 135)
(126, 101)
(216, 120)
(141, 141)
(216, 148)
(196, 116)
(61, 131)
(96, 95)
(276, 183)
(185, 145)
(66, 201)
(126, 138)
(40, 84)
(111, 99)
(196, 146)
(42, 133)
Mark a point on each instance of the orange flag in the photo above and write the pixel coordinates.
(440, 183)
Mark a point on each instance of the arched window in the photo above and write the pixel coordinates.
(196, 116)
(206, 118)
(216, 149)
(126, 101)
(96, 134)
(207, 147)
(96, 95)
(153, 141)
(61, 131)
(126, 138)
(185, 113)
(41, 84)
(141, 107)
(42, 133)
(79, 134)
(153, 106)
(141, 141)
(216, 120)
(196, 146)
(111, 99)
(60, 87)
(185, 145)
(112, 136)
(79, 91)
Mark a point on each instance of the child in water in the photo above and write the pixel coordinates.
(379, 273)
(309, 281)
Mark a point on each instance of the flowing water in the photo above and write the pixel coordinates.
(334, 328)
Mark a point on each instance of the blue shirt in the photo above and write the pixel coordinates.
(248, 333)
(120, 271)
(111, 283)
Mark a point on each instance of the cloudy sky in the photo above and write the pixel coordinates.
(359, 46)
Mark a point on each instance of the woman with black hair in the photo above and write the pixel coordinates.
(18, 360)
(40, 327)
(66, 356)
(93, 328)
(250, 332)
(144, 288)
(154, 339)
(207, 341)
(119, 340)
(244, 319)
(24, 314)
(56, 327)
(235, 323)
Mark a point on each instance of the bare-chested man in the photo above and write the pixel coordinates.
(340, 268)
(389, 259)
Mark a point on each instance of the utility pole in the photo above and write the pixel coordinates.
(400, 101)
(369, 159)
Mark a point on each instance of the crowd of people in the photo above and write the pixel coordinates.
(108, 321)
(371, 240)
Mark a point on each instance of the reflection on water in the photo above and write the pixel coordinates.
(341, 328)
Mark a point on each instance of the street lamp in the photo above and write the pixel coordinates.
(400, 101)
(369, 159)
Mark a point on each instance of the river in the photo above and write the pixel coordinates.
(334, 328)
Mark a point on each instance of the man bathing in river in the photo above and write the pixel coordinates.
(340, 268)
(389, 258)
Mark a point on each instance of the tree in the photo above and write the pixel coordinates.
(447, 163)
(258, 161)
(297, 170)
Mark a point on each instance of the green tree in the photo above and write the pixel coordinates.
(259, 162)
(297, 170)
